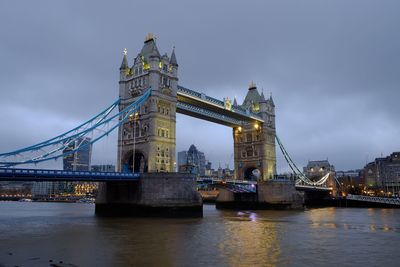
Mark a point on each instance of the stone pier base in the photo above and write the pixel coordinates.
(154, 195)
(270, 195)
(279, 194)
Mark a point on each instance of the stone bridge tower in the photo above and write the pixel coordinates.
(254, 144)
(147, 142)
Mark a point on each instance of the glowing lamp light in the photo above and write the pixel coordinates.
(239, 129)
(134, 116)
(256, 126)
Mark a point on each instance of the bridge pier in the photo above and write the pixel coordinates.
(270, 195)
(279, 194)
(154, 195)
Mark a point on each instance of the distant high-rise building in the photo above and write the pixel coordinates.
(79, 160)
(192, 161)
(182, 158)
(208, 169)
(75, 161)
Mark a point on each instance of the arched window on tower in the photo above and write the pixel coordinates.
(249, 137)
(249, 151)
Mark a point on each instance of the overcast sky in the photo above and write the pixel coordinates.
(333, 68)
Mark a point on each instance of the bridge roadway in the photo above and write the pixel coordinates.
(39, 175)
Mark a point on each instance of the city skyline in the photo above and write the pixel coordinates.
(334, 76)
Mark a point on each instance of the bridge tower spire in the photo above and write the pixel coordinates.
(147, 143)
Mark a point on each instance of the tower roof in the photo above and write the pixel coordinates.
(173, 58)
(150, 48)
(252, 96)
(124, 64)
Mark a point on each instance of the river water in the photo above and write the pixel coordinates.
(45, 234)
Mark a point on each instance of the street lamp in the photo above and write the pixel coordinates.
(132, 119)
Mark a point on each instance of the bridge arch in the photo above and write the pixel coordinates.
(140, 165)
(248, 174)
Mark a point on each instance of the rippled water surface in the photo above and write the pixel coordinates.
(45, 234)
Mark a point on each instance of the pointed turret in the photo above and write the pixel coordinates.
(173, 58)
(271, 100)
(124, 64)
(235, 102)
(262, 95)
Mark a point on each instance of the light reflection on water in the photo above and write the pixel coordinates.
(245, 237)
(32, 234)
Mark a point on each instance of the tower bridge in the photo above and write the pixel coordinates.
(154, 139)
(149, 99)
